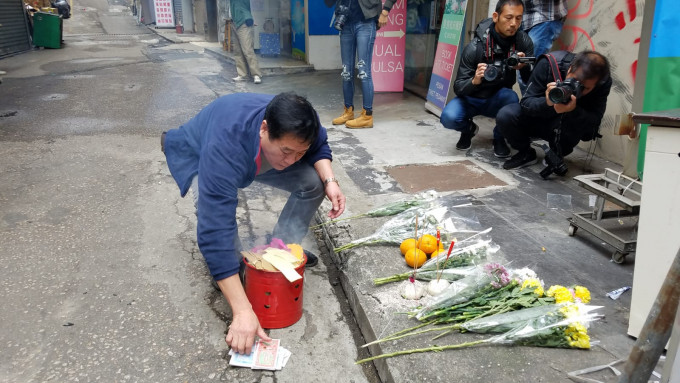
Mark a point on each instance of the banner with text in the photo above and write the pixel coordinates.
(165, 17)
(387, 66)
(450, 38)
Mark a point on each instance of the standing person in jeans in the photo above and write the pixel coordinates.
(479, 93)
(543, 21)
(357, 35)
(242, 24)
(241, 138)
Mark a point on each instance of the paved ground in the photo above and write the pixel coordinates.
(103, 278)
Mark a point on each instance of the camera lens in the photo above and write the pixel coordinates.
(559, 95)
(512, 61)
(491, 73)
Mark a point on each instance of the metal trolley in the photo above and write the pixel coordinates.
(622, 191)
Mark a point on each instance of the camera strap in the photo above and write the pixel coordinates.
(554, 67)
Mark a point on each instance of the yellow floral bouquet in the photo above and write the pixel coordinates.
(562, 325)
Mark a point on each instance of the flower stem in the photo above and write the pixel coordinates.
(353, 245)
(405, 331)
(419, 350)
(395, 337)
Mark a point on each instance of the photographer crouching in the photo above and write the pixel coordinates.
(564, 104)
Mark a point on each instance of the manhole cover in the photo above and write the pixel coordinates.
(460, 175)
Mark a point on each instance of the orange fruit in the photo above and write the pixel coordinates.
(427, 243)
(436, 252)
(406, 245)
(415, 257)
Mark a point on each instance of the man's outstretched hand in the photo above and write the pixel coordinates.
(336, 197)
(242, 331)
(244, 325)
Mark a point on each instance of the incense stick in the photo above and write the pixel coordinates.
(415, 253)
(447, 258)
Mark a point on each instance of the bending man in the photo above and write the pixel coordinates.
(238, 139)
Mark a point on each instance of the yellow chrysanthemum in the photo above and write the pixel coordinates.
(560, 293)
(569, 311)
(534, 284)
(582, 293)
(577, 336)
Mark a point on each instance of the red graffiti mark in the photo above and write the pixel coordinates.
(636, 41)
(571, 13)
(620, 21)
(632, 9)
(633, 70)
(575, 35)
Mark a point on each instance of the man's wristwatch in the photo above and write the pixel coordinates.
(329, 180)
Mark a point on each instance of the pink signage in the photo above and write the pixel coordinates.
(388, 52)
(165, 17)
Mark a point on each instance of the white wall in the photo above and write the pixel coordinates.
(324, 52)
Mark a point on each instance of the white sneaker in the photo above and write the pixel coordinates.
(240, 78)
(2, 72)
(257, 79)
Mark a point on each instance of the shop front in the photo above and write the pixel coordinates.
(14, 30)
(423, 23)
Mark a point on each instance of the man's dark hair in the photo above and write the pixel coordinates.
(591, 64)
(288, 113)
(502, 3)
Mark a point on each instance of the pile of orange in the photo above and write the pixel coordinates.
(416, 253)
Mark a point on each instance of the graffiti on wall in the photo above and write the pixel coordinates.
(613, 29)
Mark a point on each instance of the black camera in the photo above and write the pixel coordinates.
(555, 163)
(341, 15)
(494, 71)
(515, 60)
(561, 93)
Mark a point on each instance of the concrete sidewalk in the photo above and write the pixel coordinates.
(408, 150)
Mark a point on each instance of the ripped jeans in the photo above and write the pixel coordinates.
(356, 45)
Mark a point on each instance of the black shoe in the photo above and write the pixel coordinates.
(465, 140)
(312, 259)
(500, 148)
(521, 159)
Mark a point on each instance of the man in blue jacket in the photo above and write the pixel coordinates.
(238, 139)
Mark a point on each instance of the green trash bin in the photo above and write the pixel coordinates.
(47, 30)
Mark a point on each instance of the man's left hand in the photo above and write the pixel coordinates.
(520, 65)
(336, 197)
(566, 108)
(382, 20)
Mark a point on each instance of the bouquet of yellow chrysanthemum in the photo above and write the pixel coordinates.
(572, 294)
(492, 290)
(561, 325)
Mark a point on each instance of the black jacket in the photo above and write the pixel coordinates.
(589, 109)
(475, 53)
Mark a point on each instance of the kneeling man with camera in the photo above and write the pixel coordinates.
(487, 72)
(564, 104)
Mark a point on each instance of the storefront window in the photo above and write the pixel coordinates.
(423, 21)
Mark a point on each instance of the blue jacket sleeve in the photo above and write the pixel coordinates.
(221, 171)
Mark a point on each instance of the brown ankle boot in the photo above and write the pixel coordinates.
(347, 115)
(360, 122)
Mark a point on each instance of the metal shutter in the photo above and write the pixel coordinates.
(14, 35)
